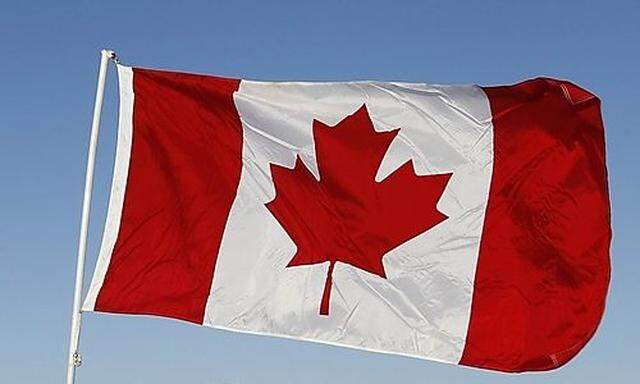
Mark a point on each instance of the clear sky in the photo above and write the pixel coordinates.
(48, 65)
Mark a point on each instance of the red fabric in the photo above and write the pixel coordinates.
(183, 176)
(543, 268)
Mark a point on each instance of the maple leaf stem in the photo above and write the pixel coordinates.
(326, 295)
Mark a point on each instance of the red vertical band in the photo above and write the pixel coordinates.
(543, 269)
(183, 176)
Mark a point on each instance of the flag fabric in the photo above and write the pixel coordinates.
(463, 224)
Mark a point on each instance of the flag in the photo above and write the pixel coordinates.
(463, 224)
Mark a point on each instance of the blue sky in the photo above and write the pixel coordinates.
(48, 69)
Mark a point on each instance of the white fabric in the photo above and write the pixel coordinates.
(422, 309)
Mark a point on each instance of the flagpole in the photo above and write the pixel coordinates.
(74, 358)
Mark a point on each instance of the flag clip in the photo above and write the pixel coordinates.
(113, 56)
(77, 359)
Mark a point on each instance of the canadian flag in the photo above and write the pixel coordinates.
(463, 224)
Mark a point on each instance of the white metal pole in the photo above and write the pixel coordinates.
(74, 359)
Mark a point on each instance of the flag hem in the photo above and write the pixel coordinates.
(118, 185)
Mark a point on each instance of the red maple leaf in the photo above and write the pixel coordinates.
(347, 216)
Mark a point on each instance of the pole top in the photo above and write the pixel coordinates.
(111, 55)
